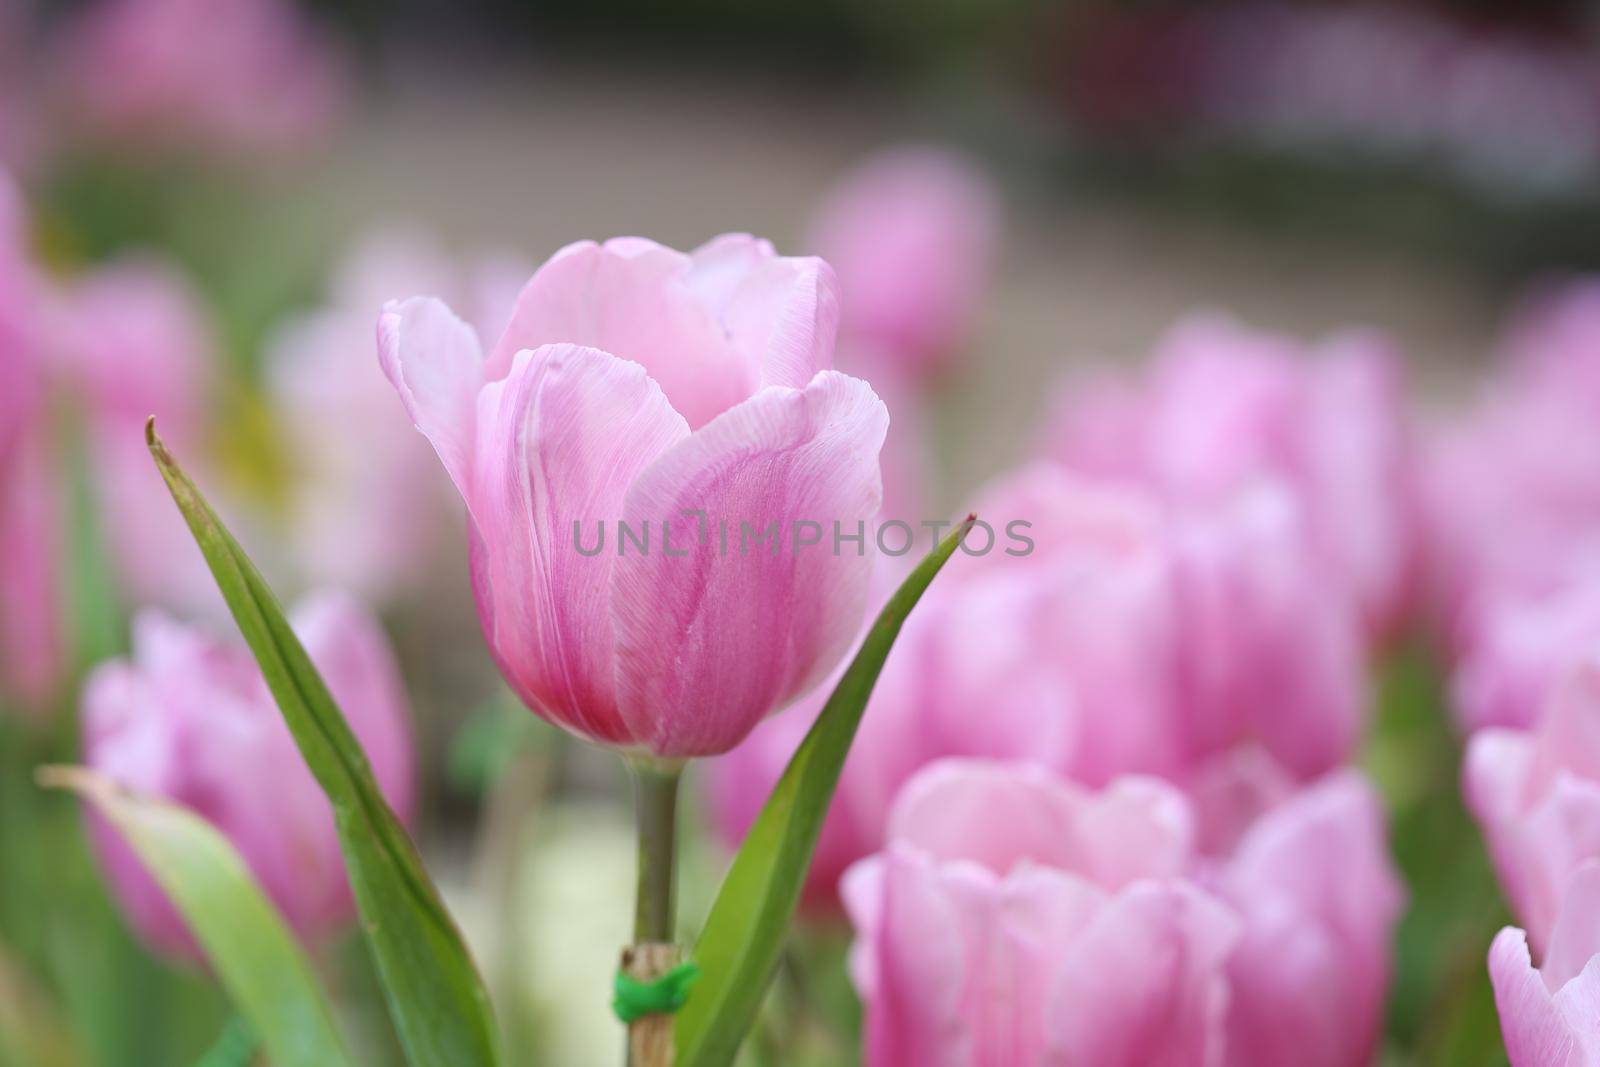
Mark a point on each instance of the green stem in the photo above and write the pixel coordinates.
(655, 790)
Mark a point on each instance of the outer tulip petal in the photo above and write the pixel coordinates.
(560, 439)
(435, 362)
(1144, 986)
(1319, 897)
(1534, 1031)
(708, 642)
(919, 953)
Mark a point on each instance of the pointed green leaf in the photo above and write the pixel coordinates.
(435, 995)
(256, 958)
(738, 949)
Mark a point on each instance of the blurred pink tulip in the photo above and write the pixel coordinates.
(1554, 340)
(189, 718)
(691, 392)
(1550, 1016)
(1512, 649)
(362, 513)
(912, 235)
(1016, 919)
(1318, 896)
(32, 652)
(1195, 644)
(1512, 505)
(261, 82)
(1224, 406)
(1537, 795)
(131, 340)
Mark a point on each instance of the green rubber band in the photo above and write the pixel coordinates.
(659, 996)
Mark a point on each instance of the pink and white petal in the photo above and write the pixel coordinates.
(1041, 912)
(435, 362)
(1579, 1001)
(710, 639)
(1289, 994)
(1554, 840)
(1576, 937)
(560, 440)
(786, 315)
(630, 297)
(1145, 986)
(915, 1017)
(991, 813)
(1533, 1028)
(1136, 828)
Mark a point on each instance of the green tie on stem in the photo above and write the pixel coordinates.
(654, 981)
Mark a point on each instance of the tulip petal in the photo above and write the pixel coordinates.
(711, 638)
(560, 439)
(1143, 986)
(1576, 937)
(435, 362)
(1003, 814)
(631, 297)
(921, 953)
(788, 311)
(1534, 1031)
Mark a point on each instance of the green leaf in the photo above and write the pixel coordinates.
(739, 947)
(256, 958)
(435, 996)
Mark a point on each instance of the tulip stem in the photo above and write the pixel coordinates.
(656, 807)
(653, 955)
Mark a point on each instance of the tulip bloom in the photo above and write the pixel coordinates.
(1548, 1014)
(31, 638)
(263, 82)
(1513, 648)
(190, 719)
(688, 395)
(1537, 795)
(912, 235)
(131, 340)
(1134, 638)
(1017, 919)
(1223, 407)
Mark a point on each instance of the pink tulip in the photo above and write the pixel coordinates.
(1537, 794)
(1511, 504)
(1318, 897)
(132, 341)
(262, 83)
(639, 385)
(1550, 1015)
(1224, 406)
(1018, 920)
(1512, 649)
(31, 638)
(360, 514)
(189, 718)
(1197, 644)
(912, 235)
(1554, 341)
